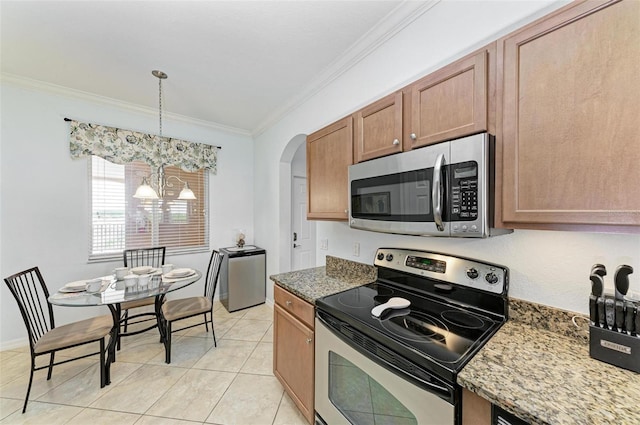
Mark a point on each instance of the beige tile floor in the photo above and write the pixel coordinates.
(232, 383)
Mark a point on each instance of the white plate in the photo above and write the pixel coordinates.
(142, 270)
(70, 290)
(78, 285)
(179, 273)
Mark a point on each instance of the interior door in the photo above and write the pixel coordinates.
(303, 239)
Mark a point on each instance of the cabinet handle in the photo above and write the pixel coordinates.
(288, 302)
(309, 340)
(436, 193)
(413, 136)
(396, 141)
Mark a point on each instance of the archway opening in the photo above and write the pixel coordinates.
(292, 170)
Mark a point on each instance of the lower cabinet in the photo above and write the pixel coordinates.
(475, 409)
(293, 349)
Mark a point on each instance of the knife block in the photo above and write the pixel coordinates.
(618, 349)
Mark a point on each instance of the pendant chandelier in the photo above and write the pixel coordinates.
(146, 190)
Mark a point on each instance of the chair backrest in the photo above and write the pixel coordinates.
(153, 257)
(213, 271)
(32, 295)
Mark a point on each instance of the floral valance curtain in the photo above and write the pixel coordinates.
(124, 146)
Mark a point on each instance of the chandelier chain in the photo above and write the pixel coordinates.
(160, 103)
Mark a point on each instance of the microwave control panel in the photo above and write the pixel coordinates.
(464, 191)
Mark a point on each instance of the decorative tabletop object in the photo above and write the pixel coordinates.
(240, 238)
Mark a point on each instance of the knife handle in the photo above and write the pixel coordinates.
(628, 317)
(599, 269)
(593, 310)
(601, 316)
(619, 315)
(610, 312)
(621, 280)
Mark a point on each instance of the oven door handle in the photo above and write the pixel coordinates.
(436, 192)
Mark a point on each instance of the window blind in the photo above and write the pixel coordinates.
(119, 221)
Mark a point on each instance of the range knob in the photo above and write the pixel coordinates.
(380, 256)
(389, 257)
(491, 278)
(472, 273)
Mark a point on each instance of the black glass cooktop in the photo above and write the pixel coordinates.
(428, 331)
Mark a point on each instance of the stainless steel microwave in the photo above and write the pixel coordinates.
(445, 189)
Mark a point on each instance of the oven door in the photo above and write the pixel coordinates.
(353, 386)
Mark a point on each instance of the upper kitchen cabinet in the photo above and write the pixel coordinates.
(329, 154)
(378, 128)
(450, 103)
(568, 98)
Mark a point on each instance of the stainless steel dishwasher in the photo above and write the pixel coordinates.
(243, 274)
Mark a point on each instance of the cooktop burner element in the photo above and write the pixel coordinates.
(462, 319)
(354, 299)
(454, 308)
(417, 327)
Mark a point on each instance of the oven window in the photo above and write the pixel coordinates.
(361, 399)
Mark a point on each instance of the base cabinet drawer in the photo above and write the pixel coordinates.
(294, 305)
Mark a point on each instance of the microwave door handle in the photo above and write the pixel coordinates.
(436, 192)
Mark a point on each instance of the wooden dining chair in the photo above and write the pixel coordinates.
(31, 293)
(175, 310)
(153, 257)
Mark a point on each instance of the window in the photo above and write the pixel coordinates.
(119, 221)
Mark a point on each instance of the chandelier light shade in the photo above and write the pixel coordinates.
(186, 193)
(146, 190)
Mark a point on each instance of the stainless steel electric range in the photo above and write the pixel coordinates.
(390, 351)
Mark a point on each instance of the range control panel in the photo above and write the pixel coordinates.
(426, 263)
(456, 270)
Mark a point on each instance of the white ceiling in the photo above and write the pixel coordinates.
(240, 64)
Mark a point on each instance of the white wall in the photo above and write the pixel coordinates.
(44, 215)
(299, 162)
(546, 267)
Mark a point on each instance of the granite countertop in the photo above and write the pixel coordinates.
(546, 376)
(337, 276)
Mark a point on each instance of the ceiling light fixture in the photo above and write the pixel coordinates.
(146, 190)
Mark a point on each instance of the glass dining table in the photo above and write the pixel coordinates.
(113, 293)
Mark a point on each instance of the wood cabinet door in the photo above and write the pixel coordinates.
(451, 102)
(378, 129)
(293, 359)
(475, 409)
(570, 131)
(329, 154)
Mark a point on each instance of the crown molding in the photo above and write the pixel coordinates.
(398, 19)
(55, 89)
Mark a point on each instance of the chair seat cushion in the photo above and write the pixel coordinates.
(74, 333)
(137, 303)
(185, 307)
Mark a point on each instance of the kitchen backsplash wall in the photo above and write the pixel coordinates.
(336, 266)
(547, 267)
(551, 319)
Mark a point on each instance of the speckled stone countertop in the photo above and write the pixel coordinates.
(537, 366)
(338, 275)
